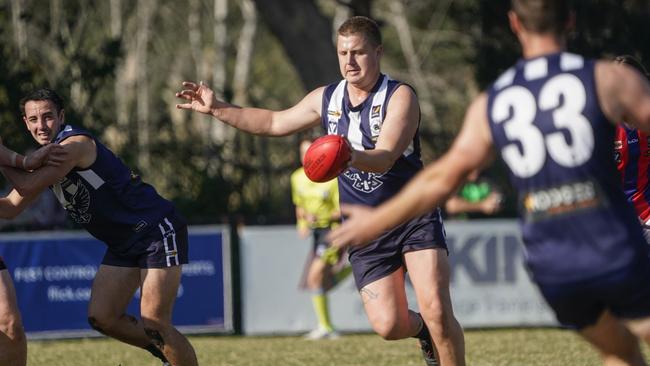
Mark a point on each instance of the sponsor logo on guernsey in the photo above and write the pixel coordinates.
(374, 113)
(563, 199)
(140, 225)
(632, 141)
(363, 181)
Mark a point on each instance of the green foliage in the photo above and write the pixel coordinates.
(462, 45)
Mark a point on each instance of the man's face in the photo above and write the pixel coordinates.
(42, 120)
(358, 58)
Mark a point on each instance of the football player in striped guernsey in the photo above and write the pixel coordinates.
(146, 239)
(380, 117)
(551, 117)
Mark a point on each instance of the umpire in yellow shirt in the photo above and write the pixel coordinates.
(317, 210)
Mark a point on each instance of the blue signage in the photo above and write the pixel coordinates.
(53, 274)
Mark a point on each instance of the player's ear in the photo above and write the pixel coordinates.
(62, 116)
(515, 24)
(380, 50)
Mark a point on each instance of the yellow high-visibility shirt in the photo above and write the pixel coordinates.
(318, 199)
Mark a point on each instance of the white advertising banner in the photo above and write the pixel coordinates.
(490, 287)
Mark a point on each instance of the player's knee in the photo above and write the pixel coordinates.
(387, 328)
(98, 323)
(439, 321)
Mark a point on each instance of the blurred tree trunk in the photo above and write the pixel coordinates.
(218, 130)
(357, 7)
(400, 22)
(245, 46)
(303, 30)
(145, 13)
(19, 28)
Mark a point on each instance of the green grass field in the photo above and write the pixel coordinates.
(527, 347)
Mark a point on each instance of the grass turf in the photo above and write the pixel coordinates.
(528, 347)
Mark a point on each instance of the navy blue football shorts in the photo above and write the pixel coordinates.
(384, 255)
(320, 243)
(625, 293)
(2, 264)
(164, 245)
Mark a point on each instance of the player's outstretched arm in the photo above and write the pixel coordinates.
(13, 204)
(200, 98)
(471, 150)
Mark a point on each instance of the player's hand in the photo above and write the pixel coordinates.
(50, 155)
(492, 203)
(199, 97)
(355, 230)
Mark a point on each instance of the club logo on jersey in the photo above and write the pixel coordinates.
(333, 121)
(363, 181)
(563, 199)
(75, 198)
(618, 146)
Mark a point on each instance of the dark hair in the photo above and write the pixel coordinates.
(364, 26)
(633, 62)
(42, 94)
(543, 16)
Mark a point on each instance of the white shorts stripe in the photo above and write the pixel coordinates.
(162, 231)
(175, 247)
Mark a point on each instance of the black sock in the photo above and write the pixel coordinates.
(157, 352)
(423, 334)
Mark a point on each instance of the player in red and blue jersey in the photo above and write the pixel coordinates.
(551, 118)
(146, 239)
(13, 344)
(632, 156)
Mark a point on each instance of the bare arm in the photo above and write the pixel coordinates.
(624, 94)
(303, 115)
(14, 204)
(397, 131)
(80, 152)
(471, 150)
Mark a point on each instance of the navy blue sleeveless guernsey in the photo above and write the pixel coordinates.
(361, 124)
(113, 204)
(548, 127)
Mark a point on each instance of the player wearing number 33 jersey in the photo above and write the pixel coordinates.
(549, 128)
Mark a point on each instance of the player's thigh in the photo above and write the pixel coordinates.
(8, 304)
(428, 270)
(159, 289)
(385, 300)
(640, 327)
(112, 290)
(610, 336)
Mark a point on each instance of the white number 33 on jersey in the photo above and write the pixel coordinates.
(528, 158)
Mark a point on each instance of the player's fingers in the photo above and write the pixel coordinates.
(186, 94)
(190, 85)
(184, 106)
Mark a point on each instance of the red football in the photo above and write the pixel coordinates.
(326, 158)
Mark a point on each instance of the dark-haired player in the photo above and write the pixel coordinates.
(380, 118)
(551, 117)
(146, 238)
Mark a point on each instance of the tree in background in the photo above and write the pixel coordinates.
(115, 65)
